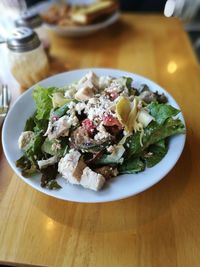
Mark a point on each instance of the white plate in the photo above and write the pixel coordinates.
(79, 31)
(75, 31)
(117, 188)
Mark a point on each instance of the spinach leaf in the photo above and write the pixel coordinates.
(132, 165)
(161, 112)
(30, 124)
(155, 153)
(48, 177)
(129, 81)
(153, 133)
(27, 167)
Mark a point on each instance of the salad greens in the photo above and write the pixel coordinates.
(153, 133)
(47, 147)
(68, 120)
(155, 153)
(43, 99)
(132, 165)
(161, 112)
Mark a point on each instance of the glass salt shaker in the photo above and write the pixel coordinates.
(34, 21)
(27, 60)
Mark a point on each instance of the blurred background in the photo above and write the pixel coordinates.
(186, 10)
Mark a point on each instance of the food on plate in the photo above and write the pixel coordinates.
(94, 129)
(72, 15)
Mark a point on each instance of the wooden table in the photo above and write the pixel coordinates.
(159, 227)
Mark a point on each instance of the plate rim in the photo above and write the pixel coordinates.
(108, 199)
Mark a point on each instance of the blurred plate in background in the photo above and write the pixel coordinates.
(75, 30)
(79, 31)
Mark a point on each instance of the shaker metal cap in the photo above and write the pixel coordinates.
(29, 19)
(23, 39)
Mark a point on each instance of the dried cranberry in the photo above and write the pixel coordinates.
(89, 126)
(110, 120)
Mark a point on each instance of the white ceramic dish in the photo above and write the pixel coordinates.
(75, 31)
(116, 188)
(80, 31)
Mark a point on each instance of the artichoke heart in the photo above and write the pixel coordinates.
(59, 100)
(127, 115)
(132, 116)
(123, 109)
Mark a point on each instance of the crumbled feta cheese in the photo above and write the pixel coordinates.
(71, 90)
(71, 105)
(97, 106)
(80, 107)
(102, 133)
(116, 85)
(104, 81)
(148, 155)
(73, 120)
(93, 101)
(119, 86)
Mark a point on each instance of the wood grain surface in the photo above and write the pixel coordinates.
(159, 227)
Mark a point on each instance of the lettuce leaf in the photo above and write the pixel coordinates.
(161, 112)
(42, 97)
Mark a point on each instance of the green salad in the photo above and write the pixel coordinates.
(94, 129)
